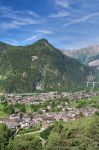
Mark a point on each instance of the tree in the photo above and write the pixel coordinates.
(5, 136)
(44, 134)
(25, 143)
(21, 107)
(9, 109)
(53, 142)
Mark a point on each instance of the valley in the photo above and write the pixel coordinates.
(36, 115)
(45, 108)
(46, 95)
(49, 74)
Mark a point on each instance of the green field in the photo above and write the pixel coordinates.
(89, 102)
(3, 114)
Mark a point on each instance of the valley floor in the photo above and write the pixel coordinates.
(48, 117)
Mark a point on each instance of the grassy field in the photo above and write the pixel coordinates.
(3, 114)
(92, 102)
(28, 108)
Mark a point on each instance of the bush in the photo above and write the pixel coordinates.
(25, 143)
(5, 136)
(9, 109)
(46, 132)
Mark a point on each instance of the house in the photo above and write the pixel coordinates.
(45, 124)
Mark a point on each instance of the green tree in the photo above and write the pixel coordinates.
(21, 107)
(25, 143)
(46, 132)
(9, 109)
(5, 136)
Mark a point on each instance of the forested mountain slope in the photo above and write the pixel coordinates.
(39, 66)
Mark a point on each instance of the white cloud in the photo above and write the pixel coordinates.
(3, 8)
(10, 13)
(41, 33)
(17, 24)
(33, 37)
(15, 19)
(60, 14)
(62, 3)
(31, 13)
(82, 19)
(12, 42)
(44, 31)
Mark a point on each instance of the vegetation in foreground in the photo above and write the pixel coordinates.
(82, 134)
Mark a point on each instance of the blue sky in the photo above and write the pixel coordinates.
(67, 24)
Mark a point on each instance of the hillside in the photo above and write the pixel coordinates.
(39, 66)
(81, 134)
(88, 56)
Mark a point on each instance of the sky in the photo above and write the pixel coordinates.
(67, 24)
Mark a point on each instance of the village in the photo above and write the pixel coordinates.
(43, 118)
(37, 98)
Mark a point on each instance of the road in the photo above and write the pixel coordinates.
(42, 129)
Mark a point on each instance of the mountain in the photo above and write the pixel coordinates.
(88, 56)
(39, 66)
(3, 46)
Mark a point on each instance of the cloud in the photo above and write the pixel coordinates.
(45, 31)
(60, 14)
(33, 37)
(3, 8)
(40, 34)
(62, 3)
(31, 13)
(11, 19)
(17, 24)
(8, 12)
(11, 41)
(82, 19)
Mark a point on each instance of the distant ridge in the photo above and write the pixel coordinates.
(88, 56)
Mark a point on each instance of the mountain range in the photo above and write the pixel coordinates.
(88, 56)
(39, 66)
